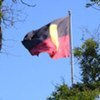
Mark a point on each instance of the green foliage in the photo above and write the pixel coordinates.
(0, 2)
(79, 91)
(78, 52)
(0, 14)
(88, 56)
(0, 9)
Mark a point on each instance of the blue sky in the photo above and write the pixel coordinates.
(26, 77)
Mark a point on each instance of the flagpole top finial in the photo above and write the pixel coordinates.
(69, 12)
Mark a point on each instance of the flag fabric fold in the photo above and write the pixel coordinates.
(53, 38)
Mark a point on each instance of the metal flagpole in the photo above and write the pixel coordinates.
(71, 48)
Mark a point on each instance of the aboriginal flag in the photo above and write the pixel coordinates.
(53, 38)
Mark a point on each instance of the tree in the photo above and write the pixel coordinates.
(78, 91)
(60, 93)
(8, 16)
(88, 56)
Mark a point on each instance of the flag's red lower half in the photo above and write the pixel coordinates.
(50, 48)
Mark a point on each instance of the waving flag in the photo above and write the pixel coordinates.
(53, 38)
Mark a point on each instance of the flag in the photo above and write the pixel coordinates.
(53, 38)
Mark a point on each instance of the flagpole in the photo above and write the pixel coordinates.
(71, 48)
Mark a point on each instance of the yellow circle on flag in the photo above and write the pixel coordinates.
(54, 35)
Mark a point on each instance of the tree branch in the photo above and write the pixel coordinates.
(27, 4)
(95, 8)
